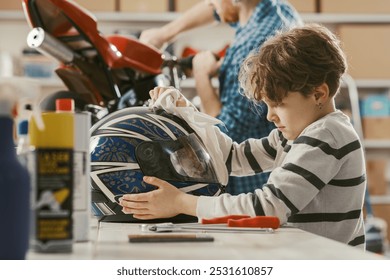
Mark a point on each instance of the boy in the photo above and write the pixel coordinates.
(318, 168)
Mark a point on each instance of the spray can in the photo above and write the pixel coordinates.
(52, 186)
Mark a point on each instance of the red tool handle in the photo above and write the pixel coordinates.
(224, 219)
(258, 221)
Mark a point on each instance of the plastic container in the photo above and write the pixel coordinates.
(82, 187)
(14, 196)
(23, 145)
(15, 183)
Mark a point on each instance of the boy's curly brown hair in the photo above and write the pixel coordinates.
(297, 60)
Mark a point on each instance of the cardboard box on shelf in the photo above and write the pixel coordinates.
(375, 105)
(355, 6)
(182, 6)
(98, 5)
(383, 211)
(376, 177)
(376, 128)
(10, 5)
(304, 6)
(144, 6)
(367, 48)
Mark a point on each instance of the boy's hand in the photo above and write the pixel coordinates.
(167, 201)
(157, 91)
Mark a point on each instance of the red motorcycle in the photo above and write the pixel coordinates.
(102, 73)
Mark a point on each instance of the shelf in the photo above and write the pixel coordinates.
(315, 17)
(379, 83)
(377, 144)
(11, 15)
(377, 149)
(169, 16)
(380, 199)
(346, 18)
(107, 16)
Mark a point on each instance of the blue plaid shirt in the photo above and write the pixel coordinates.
(241, 118)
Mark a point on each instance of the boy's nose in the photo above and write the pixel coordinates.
(271, 116)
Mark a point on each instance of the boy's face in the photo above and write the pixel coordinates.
(225, 9)
(293, 114)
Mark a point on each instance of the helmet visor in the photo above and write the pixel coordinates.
(185, 159)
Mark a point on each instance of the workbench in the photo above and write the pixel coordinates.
(109, 241)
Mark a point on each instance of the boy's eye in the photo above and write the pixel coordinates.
(275, 104)
(272, 104)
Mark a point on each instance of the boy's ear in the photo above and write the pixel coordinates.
(321, 92)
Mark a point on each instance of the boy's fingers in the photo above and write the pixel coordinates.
(154, 181)
(139, 197)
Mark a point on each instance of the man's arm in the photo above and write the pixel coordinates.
(205, 66)
(198, 15)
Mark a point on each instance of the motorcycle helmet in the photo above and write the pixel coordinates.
(137, 141)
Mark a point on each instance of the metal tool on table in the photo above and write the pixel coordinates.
(230, 223)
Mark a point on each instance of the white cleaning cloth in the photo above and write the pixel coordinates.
(202, 124)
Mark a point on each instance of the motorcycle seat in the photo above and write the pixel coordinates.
(66, 20)
(136, 53)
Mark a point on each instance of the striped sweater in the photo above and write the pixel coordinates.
(317, 182)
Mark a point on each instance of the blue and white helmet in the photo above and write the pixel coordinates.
(133, 142)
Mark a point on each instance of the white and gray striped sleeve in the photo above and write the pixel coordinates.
(253, 155)
(293, 184)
